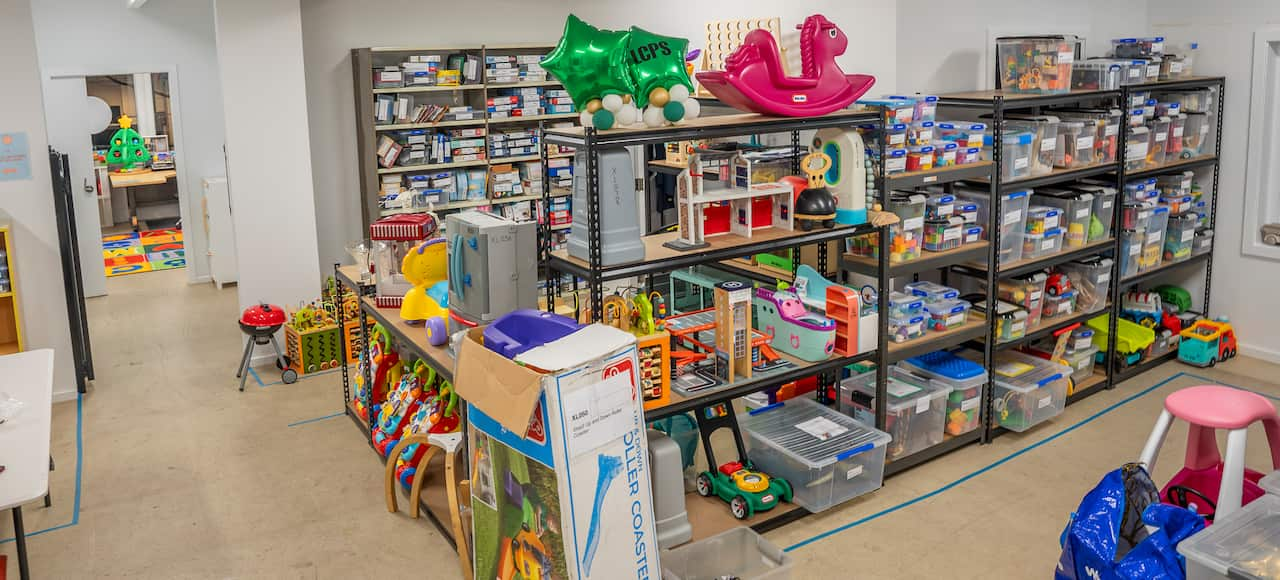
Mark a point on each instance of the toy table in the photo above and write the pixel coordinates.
(128, 181)
(24, 440)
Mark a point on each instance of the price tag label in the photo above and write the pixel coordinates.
(913, 223)
(1012, 217)
(1045, 402)
(1048, 144)
(1083, 213)
(1084, 143)
(1020, 162)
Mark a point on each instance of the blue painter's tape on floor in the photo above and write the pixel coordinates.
(305, 421)
(303, 377)
(75, 508)
(255, 376)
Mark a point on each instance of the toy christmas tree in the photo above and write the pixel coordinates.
(127, 151)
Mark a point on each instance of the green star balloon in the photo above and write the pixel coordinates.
(590, 62)
(656, 61)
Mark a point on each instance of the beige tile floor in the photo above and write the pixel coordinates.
(184, 477)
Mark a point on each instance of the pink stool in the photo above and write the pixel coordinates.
(1204, 473)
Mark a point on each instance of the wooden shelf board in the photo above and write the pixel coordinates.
(432, 166)
(429, 89)
(9, 347)
(515, 159)
(415, 336)
(702, 123)
(438, 124)
(546, 83)
(531, 118)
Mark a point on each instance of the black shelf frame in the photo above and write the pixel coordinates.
(1021, 269)
(928, 343)
(360, 290)
(1049, 329)
(926, 263)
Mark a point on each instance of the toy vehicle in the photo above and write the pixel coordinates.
(1133, 339)
(1058, 283)
(746, 490)
(1144, 308)
(1271, 234)
(528, 557)
(1174, 297)
(1207, 342)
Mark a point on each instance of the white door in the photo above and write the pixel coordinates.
(66, 118)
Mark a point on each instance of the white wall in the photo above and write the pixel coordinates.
(331, 28)
(1241, 283)
(943, 45)
(104, 36)
(29, 203)
(268, 150)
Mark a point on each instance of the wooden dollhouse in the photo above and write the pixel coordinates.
(718, 194)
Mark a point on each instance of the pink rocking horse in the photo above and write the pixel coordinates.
(753, 79)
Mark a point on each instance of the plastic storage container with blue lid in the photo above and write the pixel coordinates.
(931, 291)
(914, 412)
(964, 379)
(1028, 390)
(905, 303)
(827, 457)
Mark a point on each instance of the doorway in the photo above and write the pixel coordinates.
(122, 137)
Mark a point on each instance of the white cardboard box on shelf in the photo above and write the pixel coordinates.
(567, 447)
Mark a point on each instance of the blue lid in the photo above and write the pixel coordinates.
(896, 153)
(1053, 232)
(922, 149)
(1152, 102)
(946, 364)
(946, 125)
(974, 230)
(1138, 112)
(1155, 39)
(885, 102)
(897, 127)
(975, 150)
(924, 123)
(978, 126)
(1018, 194)
(946, 145)
(1124, 40)
(968, 206)
(1195, 46)
(945, 198)
(1161, 209)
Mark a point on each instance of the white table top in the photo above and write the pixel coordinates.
(24, 440)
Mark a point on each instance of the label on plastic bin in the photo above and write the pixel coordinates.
(899, 164)
(1104, 277)
(946, 209)
(897, 138)
(1045, 402)
(1035, 296)
(1135, 152)
(1188, 235)
(1161, 136)
(1047, 245)
(1012, 217)
(898, 389)
(970, 404)
(955, 319)
(822, 428)
(1175, 67)
(1178, 131)
(1064, 307)
(1048, 144)
(1082, 343)
(1020, 162)
(1017, 328)
(922, 405)
(1111, 131)
(853, 472)
(1084, 143)
(1066, 56)
(1153, 70)
(1083, 213)
(1107, 204)
(1134, 249)
(913, 223)
(1157, 46)
(1134, 72)
(1051, 221)
(951, 234)
(1204, 129)
(1153, 238)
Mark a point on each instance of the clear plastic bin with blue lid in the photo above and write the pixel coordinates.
(827, 457)
(1024, 291)
(1017, 148)
(914, 413)
(738, 552)
(1011, 320)
(1042, 244)
(905, 303)
(1059, 305)
(1042, 218)
(1137, 47)
(946, 314)
(1028, 390)
(1081, 362)
(1081, 339)
(1035, 64)
(1176, 184)
(931, 291)
(1137, 191)
(1102, 214)
(906, 327)
(1092, 75)
(1044, 138)
(940, 205)
(964, 381)
(964, 133)
(1130, 250)
(925, 107)
(1245, 545)
(1203, 242)
(1075, 212)
(1012, 223)
(1180, 237)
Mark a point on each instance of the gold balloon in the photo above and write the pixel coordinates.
(593, 105)
(659, 97)
(626, 99)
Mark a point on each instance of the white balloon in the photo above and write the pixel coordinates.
(584, 119)
(653, 116)
(612, 103)
(97, 115)
(691, 109)
(627, 115)
(679, 93)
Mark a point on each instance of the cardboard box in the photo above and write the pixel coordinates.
(566, 446)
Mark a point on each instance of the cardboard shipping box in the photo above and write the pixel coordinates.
(559, 480)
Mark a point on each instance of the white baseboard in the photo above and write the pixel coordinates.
(200, 280)
(1258, 352)
(64, 396)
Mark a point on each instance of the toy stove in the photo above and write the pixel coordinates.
(261, 323)
(393, 237)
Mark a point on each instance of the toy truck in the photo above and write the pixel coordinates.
(1207, 342)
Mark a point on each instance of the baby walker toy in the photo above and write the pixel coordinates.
(746, 490)
(756, 81)
(261, 323)
(1205, 474)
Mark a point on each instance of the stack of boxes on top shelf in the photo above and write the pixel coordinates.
(514, 68)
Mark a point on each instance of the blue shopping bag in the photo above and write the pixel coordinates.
(1121, 531)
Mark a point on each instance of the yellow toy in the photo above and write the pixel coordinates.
(426, 267)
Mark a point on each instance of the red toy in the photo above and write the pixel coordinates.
(1058, 283)
(261, 323)
(754, 79)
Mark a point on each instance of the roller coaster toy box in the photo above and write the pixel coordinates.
(560, 487)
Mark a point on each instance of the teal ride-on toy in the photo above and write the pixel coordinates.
(746, 490)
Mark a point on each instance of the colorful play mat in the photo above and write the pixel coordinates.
(143, 252)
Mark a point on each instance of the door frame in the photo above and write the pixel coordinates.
(184, 208)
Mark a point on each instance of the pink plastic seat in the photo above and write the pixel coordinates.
(1206, 408)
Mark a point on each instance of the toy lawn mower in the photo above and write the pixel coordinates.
(746, 490)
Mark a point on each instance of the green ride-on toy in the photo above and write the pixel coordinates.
(746, 490)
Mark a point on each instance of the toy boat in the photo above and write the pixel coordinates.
(754, 80)
(795, 331)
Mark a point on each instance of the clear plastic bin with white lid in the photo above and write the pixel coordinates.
(1012, 224)
(826, 456)
(1081, 362)
(1093, 75)
(1028, 390)
(1180, 237)
(931, 291)
(905, 303)
(1017, 152)
(1203, 242)
(1036, 64)
(1075, 212)
(1091, 278)
(738, 552)
(1102, 213)
(963, 378)
(1074, 137)
(1159, 127)
(946, 314)
(1136, 215)
(915, 412)
(1025, 291)
(1245, 545)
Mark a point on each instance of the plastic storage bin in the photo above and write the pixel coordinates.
(1093, 75)
(1028, 390)
(1091, 279)
(827, 457)
(905, 304)
(919, 158)
(896, 135)
(971, 234)
(1039, 245)
(920, 133)
(963, 133)
(1137, 147)
(734, 553)
(1136, 215)
(1245, 545)
(1060, 305)
(1179, 237)
(1044, 140)
(1081, 362)
(906, 327)
(1026, 292)
(915, 412)
(1159, 140)
(1075, 213)
(931, 292)
(1013, 214)
(1195, 132)
(946, 315)
(1042, 218)
(1035, 64)
(943, 234)
(1011, 321)
(1176, 185)
(1130, 251)
(970, 155)
(924, 107)
(1137, 47)
(967, 210)
(1153, 243)
(898, 111)
(1202, 243)
(1016, 155)
(1081, 339)
(1178, 204)
(939, 205)
(962, 378)
(1102, 212)
(944, 153)
(1075, 144)
(905, 242)
(1173, 146)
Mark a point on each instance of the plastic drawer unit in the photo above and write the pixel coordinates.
(734, 553)
(1036, 64)
(1013, 215)
(931, 291)
(1243, 546)
(1028, 390)
(964, 381)
(828, 458)
(914, 415)
(1091, 279)
(1075, 213)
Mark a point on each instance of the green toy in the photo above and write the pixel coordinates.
(127, 152)
(746, 490)
(1174, 296)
